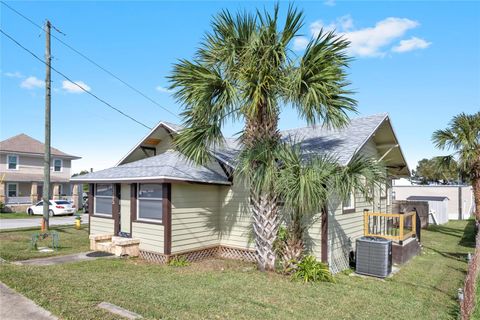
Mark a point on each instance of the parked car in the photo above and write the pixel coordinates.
(57, 207)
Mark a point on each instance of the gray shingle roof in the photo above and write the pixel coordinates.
(168, 165)
(341, 144)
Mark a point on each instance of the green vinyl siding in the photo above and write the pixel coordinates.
(150, 236)
(101, 225)
(195, 216)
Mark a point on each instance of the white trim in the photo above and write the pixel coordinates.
(16, 188)
(227, 183)
(53, 165)
(17, 161)
(102, 214)
(386, 118)
(352, 202)
(159, 221)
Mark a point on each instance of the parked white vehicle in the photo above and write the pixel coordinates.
(57, 207)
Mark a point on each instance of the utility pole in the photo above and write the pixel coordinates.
(47, 156)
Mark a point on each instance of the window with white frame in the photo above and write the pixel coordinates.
(349, 203)
(12, 190)
(57, 165)
(103, 199)
(150, 198)
(12, 162)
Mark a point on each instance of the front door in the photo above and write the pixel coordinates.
(125, 208)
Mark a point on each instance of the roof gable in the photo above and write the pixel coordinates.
(23, 143)
(342, 143)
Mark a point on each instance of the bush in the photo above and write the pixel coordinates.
(311, 270)
(179, 261)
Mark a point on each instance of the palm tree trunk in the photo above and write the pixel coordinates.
(266, 222)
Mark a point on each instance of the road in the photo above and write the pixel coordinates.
(6, 224)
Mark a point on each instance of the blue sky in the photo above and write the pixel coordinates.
(418, 61)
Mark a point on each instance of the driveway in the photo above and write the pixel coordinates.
(6, 224)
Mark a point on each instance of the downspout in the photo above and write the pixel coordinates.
(460, 203)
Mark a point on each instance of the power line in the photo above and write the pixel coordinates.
(76, 84)
(92, 61)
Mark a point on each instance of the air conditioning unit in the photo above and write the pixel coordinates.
(374, 256)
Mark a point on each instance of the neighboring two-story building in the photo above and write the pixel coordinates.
(21, 172)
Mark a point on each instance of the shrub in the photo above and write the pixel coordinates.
(311, 270)
(179, 261)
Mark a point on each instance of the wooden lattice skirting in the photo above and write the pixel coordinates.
(201, 254)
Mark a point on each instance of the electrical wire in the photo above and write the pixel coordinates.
(91, 60)
(76, 84)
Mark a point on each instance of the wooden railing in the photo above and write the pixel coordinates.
(394, 226)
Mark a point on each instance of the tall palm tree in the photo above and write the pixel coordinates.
(463, 136)
(306, 183)
(244, 70)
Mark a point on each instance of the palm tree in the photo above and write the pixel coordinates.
(463, 136)
(244, 70)
(306, 183)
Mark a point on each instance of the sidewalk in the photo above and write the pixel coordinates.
(75, 257)
(14, 306)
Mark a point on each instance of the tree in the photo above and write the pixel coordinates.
(306, 183)
(436, 170)
(244, 70)
(463, 137)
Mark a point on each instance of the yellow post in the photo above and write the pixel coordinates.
(365, 223)
(414, 223)
(401, 227)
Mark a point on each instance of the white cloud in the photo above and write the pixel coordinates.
(342, 24)
(329, 3)
(300, 43)
(370, 41)
(73, 87)
(413, 43)
(162, 89)
(15, 74)
(32, 83)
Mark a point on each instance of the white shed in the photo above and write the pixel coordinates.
(437, 206)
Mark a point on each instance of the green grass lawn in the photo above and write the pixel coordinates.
(425, 288)
(15, 244)
(16, 215)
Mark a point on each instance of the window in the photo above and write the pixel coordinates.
(349, 203)
(12, 162)
(150, 196)
(103, 199)
(12, 190)
(57, 165)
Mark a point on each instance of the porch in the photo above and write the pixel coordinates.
(402, 228)
(19, 195)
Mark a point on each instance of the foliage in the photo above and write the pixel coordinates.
(425, 288)
(1, 206)
(311, 270)
(15, 244)
(306, 182)
(245, 70)
(463, 136)
(435, 170)
(179, 261)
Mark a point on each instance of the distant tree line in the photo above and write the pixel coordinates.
(438, 170)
